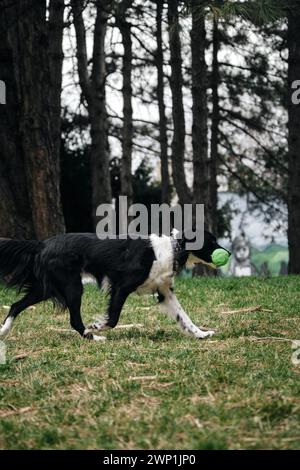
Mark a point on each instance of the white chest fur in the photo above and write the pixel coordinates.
(161, 273)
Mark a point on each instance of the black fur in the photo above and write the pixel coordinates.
(52, 270)
(17, 262)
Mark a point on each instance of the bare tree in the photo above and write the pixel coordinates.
(56, 56)
(163, 137)
(200, 112)
(215, 123)
(176, 83)
(127, 131)
(93, 89)
(203, 168)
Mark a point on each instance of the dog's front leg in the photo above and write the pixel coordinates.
(169, 304)
(111, 318)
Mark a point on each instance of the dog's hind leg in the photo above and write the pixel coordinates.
(169, 304)
(34, 296)
(116, 302)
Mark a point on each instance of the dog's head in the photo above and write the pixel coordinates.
(204, 254)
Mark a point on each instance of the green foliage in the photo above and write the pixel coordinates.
(258, 12)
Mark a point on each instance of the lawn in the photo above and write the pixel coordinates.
(150, 387)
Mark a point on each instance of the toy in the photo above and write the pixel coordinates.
(220, 257)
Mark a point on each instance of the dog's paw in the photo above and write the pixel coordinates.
(99, 325)
(93, 326)
(89, 335)
(99, 338)
(6, 327)
(204, 334)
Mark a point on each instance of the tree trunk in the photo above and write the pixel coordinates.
(214, 152)
(36, 129)
(93, 89)
(34, 163)
(200, 112)
(294, 144)
(176, 83)
(127, 132)
(15, 214)
(101, 188)
(201, 186)
(56, 56)
(163, 138)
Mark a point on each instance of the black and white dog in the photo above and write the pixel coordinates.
(52, 269)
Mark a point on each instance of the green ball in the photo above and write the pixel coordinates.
(220, 257)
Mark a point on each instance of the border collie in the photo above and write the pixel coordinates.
(52, 269)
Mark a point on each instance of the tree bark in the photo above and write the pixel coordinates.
(294, 144)
(34, 158)
(200, 111)
(93, 89)
(176, 83)
(201, 163)
(15, 214)
(127, 131)
(214, 152)
(163, 138)
(36, 129)
(56, 56)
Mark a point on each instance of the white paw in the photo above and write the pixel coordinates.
(99, 325)
(211, 333)
(6, 327)
(99, 338)
(204, 334)
(90, 336)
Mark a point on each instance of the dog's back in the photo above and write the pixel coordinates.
(50, 264)
(52, 269)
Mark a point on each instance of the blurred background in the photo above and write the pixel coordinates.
(163, 101)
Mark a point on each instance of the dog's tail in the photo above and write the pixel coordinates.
(17, 260)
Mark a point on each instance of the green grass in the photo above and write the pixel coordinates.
(152, 387)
